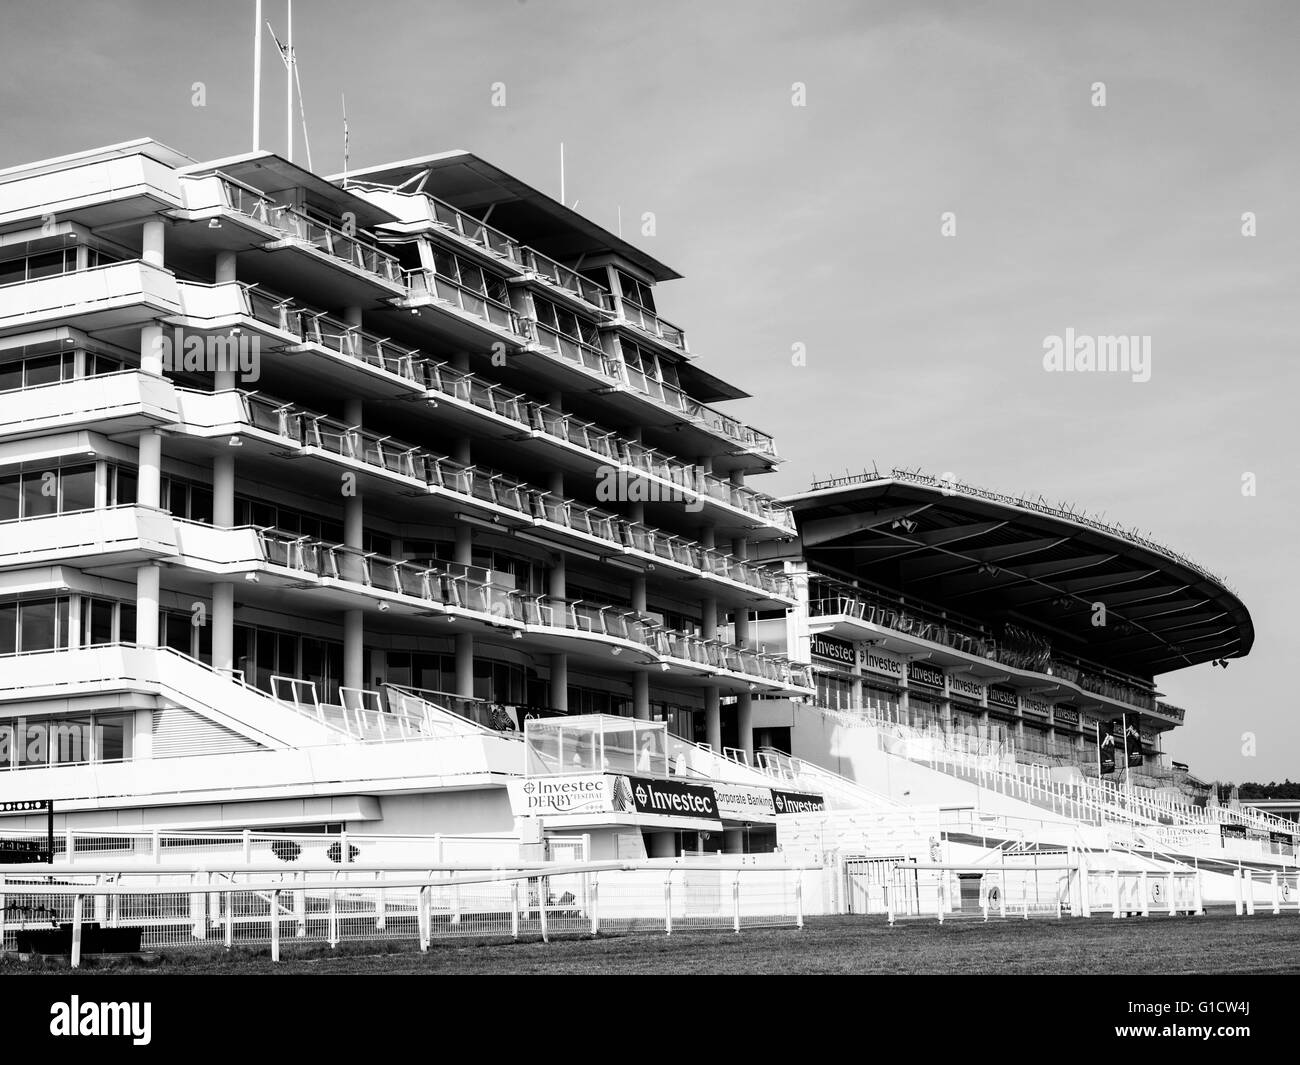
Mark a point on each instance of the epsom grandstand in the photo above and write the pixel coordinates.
(345, 528)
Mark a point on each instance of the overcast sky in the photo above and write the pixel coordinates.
(820, 225)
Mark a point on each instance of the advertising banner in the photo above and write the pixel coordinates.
(1133, 740)
(587, 793)
(1006, 698)
(744, 802)
(794, 802)
(1106, 747)
(918, 673)
(1065, 715)
(1227, 832)
(838, 651)
(874, 661)
(665, 798)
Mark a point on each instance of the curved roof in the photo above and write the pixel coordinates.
(983, 553)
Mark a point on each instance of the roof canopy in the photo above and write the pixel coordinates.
(1000, 558)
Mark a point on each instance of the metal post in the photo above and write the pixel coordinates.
(1236, 880)
(1200, 901)
(76, 931)
(300, 907)
(275, 924)
(1115, 893)
(735, 903)
(334, 915)
(668, 904)
(595, 904)
(889, 901)
(541, 907)
(514, 909)
(69, 846)
(1249, 877)
(1002, 889)
(248, 846)
(381, 914)
(798, 898)
(425, 917)
(1277, 895)
(1173, 904)
(1143, 888)
(228, 937)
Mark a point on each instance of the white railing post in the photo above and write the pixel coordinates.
(1277, 895)
(1249, 876)
(198, 920)
(885, 890)
(228, 917)
(1236, 883)
(514, 909)
(300, 906)
(76, 931)
(248, 846)
(1173, 904)
(798, 898)
(333, 934)
(1199, 898)
(541, 908)
(668, 904)
(381, 903)
(424, 916)
(275, 924)
(101, 902)
(940, 896)
(594, 895)
(1002, 893)
(1115, 892)
(735, 903)
(155, 843)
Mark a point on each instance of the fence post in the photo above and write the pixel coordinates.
(1173, 904)
(735, 903)
(1143, 887)
(1002, 893)
(334, 913)
(668, 903)
(1198, 897)
(1236, 881)
(798, 898)
(3, 903)
(1249, 878)
(541, 907)
(514, 909)
(300, 907)
(101, 901)
(198, 918)
(155, 841)
(381, 913)
(940, 896)
(1277, 895)
(424, 916)
(1115, 892)
(248, 846)
(76, 931)
(889, 900)
(275, 924)
(595, 903)
(228, 938)
(455, 900)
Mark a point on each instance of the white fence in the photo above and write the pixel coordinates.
(173, 907)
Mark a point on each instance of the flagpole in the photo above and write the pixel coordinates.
(288, 83)
(257, 78)
(344, 98)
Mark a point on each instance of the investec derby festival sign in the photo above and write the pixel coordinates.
(838, 651)
(591, 793)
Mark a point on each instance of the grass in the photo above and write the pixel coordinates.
(1218, 943)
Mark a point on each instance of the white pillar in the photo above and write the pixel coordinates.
(223, 625)
(354, 660)
(225, 272)
(713, 718)
(560, 682)
(745, 723)
(151, 350)
(641, 695)
(223, 491)
(465, 665)
(149, 484)
(152, 240)
(146, 604)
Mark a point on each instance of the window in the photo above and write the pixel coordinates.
(77, 485)
(636, 291)
(566, 323)
(32, 495)
(96, 620)
(122, 486)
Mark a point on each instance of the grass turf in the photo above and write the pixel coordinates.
(1218, 943)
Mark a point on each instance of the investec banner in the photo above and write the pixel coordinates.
(924, 675)
(965, 687)
(874, 661)
(1036, 706)
(794, 802)
(582, 794)
(744, 802)
(838, 651)
(1065, 715)
(1006, 698)
(671, 798)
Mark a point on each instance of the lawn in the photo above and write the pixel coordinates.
(1218, 943)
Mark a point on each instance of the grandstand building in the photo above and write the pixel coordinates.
(317, 493)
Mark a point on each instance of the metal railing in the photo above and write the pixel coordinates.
(433, 285)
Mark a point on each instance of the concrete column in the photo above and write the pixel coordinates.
(354, 657)
(639, 597)
(149, 484)
(225, 270)
(713, 718)
(557, 587)
(152, 240)
(745, 723)
(641, 696)
(465, 665)
(146, 604)
(709, 617)
(223, 625)
(223, 490)
(74, 621)
(560, 682)
(151, 350)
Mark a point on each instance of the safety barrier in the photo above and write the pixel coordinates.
(174, 908)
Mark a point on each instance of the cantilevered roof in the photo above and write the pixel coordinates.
(474, 185)
(997, 557)
(146, 146)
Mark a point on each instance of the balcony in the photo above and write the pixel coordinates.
(649, 323)
(927, 623)
(502, 495)
(122, 402)
(454, 588)
(427, 286)
(567, 280)
(119, 295)
(100, 536)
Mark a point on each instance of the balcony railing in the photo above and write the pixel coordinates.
(325, 238)
(647, 321)
(455, 587)
(568, 279)
(309, 429)
(701, 413)
(421, 283)
(574, 351)
(440, 377)
(928, 624)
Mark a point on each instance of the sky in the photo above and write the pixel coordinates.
(815, 219)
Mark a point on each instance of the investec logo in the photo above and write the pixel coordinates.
(194, 353)
(563, 794)
(791, 804)
(697, 803)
